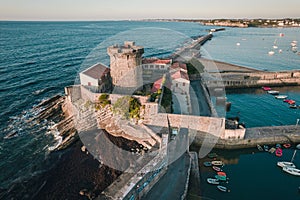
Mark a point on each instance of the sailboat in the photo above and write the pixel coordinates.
(288, 164)
(275, 44)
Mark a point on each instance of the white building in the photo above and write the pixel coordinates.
(97, 77)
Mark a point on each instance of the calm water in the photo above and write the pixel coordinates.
(253, 175)
(38, 59)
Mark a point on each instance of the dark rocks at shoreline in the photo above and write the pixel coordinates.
(73, 172)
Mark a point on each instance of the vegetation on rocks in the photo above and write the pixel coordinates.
(128, 107)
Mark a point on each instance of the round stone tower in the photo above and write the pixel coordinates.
(123, 64)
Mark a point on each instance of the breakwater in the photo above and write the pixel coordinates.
(253, 136)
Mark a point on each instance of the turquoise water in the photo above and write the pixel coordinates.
(253, 175)
(256, 107)
(38, 59)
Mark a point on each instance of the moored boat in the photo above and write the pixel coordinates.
(287, 145)
(212, 155)
(213, 181)
(273, 92)
(278, 152)
(266, 88)
(207, 164)
(294, 106)
(281, 97)
(259, 147)
(292, 171)
(272, 150)
(221, 174)
(221, 178)
(271, 53)
(291, 102)
(278, 146)
(222, 188)
(217, 162)
(298, 146)
(217, 169)
(266, 147)
(286, 164)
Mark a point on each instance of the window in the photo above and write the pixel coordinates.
(157, 66)
(89, 83)
(162, 67)
(176, 84)
(183, 84)
(127, 57)
(151, 66)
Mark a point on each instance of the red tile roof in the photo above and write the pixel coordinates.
(179, 65)
(96, 71)
(180, 74)
(156, 61)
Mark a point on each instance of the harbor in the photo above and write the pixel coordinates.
(263, 129)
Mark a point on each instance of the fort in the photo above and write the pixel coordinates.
(161, 86)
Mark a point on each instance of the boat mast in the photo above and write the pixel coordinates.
(294, 155)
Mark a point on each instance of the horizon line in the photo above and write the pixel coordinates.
(142, 19)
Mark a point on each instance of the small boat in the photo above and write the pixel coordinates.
(238, 44)
(271, 53)
(281, 97)
(298, 146)
(278, 146)
(217, 162)
(294, 106)
(212, 155)
(291, 102)
(213, 181)
(272, 150)
(221, 178)
(259, 147)
(217, 169)
(287, 100)
(286, 164)
(292, 170)
(222, 188)
(281, 35)
(207, 164)
(287, 145)
(221, 174)
(266, 147)
(275, 47)
(278, 152)
(266, 88)
(273, 92)
(280, 50)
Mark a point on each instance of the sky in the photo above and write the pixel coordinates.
(146, 9)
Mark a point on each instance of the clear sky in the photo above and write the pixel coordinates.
(141, 9)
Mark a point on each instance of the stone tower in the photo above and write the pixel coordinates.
(123, 64)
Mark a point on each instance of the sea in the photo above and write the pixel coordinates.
(39, 59)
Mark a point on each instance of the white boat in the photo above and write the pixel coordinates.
(298, 146)
(275, 47)
(213, 181)
(292, 171)
(222, 188)
(271, 53)
(286, 164)
(273, 92)
(238, 44)
(217, 162)
(280, 51)
(281, 97)
(259, 147)
(272, 150)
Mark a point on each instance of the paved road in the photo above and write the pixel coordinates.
(200, 106)
(171, 186)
